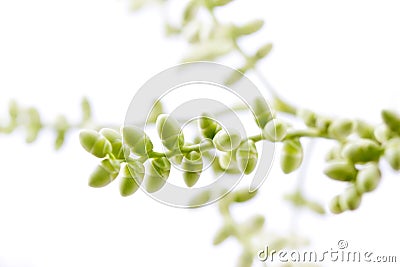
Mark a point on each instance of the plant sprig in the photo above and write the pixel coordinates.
(354, 159)
(31, 122)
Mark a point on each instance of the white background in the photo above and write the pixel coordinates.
(337, 57)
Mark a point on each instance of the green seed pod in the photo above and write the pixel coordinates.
(61, 126)
(308, 116)
(104, 173)
(292, 155)
(86, 110)
(59, 141)
(247, 156)
(275, 130)
(392, 120)
(263, 51)
(323, 123)
(392, 153)
(169, 132)
(340, 128)
(157, 174)
(34, 126)
(190, 12)
(137, 140)
(315, 206)
(227, 162)
(364, 130)
(192, 164)
(334, 205)
(368, 178)
(13, 110)
(382, 133)
(350, 199)
(243, 195)
(200, 199)
(262, 112)
(362, 151)
(249, 28)
(131, 177)
(119, 150)
(95, 143)
(155, 111)
(222, 234)
(227, 140)
(208, 126)
(341, 170)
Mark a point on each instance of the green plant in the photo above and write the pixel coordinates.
(354, 159)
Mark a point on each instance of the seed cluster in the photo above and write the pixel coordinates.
(354, 159)
(127, 151)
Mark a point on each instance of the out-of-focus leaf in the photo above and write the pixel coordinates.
(209, 50)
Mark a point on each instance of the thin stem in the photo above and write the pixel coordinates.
(309, 132)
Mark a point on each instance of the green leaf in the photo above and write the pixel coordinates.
(135, 138)
(86, 110)
(292, 155)
(104, 173)
(341, 170)
(95, 143)
(247, 156)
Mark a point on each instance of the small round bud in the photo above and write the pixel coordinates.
(334, 205)
(340, 128)
(169, 132)
(243, 195)
(368, 178)
(308, 116)
(157, 174)
(275, 130)
(222, 234)
(364, 130)
(263, 51)
(247, 156)
(362, 151)
(292, 155)
(131, 177)
(137, 140)
(192, 164)
(392, 153)
(392, 120)
(208, 126)
(227, 162)
(248, 28)
(323, 123)
(262, 112)
(350, 199)
(341, 170)
(119, 150)
(382, 133)
(200, 199)
(95, 143)
(104, 173)
(227, 140)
